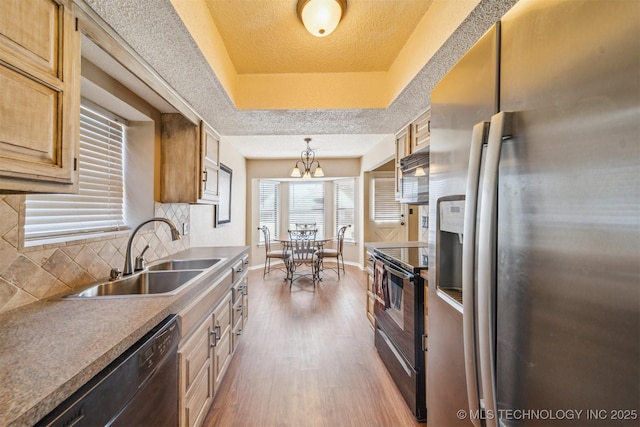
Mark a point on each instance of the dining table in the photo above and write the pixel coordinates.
(287, 245)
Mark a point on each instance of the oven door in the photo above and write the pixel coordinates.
(396, 317)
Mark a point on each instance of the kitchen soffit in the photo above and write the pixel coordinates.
(157, 32)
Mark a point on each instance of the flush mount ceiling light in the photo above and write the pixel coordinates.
(307, 162)
(321, 17)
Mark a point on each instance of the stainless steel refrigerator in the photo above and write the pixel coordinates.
(534, 281)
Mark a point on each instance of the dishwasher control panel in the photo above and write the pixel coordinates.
(155, 351)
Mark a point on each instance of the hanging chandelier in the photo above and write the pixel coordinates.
(307, 166)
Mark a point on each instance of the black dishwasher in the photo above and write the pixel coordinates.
(139, 388)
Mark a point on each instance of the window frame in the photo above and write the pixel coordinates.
(276, 208)
(307, 210)
(350, 232)
(103, 151)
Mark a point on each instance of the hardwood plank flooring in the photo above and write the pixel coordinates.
(307, 358)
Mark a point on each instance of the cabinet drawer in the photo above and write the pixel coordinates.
(240, 289)
(240, 268)
(199, 397)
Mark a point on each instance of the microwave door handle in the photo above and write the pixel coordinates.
(498, 131)
(478, 139)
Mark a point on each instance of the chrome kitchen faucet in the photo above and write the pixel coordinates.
(128, 258)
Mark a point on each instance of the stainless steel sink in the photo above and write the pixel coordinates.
(141, 284)
(184, 264)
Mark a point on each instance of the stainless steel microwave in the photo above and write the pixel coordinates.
(414, 183)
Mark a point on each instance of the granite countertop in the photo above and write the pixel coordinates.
(50, 348)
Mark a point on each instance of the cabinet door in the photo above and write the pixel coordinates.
(222, 350)
(421, 132)
(403, 145)
(210, 164)
(196, 375)
(39, 96)
(179, 160)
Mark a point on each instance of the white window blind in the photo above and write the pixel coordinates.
(345, 206)
(269, 202)
(306, 204)
(99, 204)
(385, 206)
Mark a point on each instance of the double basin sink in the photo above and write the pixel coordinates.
(162, 278)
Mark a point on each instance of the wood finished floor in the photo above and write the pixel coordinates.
(307, 358)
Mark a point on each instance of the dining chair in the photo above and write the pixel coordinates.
(302, 247)
(333, 253)
(280, 254)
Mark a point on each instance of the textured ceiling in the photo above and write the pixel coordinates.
(155, 31)
(267, 36)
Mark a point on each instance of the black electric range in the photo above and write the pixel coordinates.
(399, 313)
(411, 259)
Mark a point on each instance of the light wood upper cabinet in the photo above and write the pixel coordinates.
(39, 96)
(210, 164)
(403, 145)
(189, 164)
(412, 138)
(421, 131)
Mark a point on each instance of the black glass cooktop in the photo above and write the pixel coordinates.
(410, 258)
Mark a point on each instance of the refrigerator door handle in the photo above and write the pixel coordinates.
(500, 129)
(478, 139)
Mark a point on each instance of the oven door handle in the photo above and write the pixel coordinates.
(398, 273)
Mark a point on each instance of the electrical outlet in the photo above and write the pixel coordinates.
(185, 228)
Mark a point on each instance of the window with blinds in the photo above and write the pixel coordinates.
(344, 190)
(306, 204)
(269, 202)
(385, 206)
(99, 204)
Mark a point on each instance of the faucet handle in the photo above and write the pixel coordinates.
(115, 274)
(139, 265)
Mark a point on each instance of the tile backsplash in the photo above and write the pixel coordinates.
(33, 273)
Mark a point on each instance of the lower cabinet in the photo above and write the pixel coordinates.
(371, 299)
(209, 328)
(196, 375)
(240, 303)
